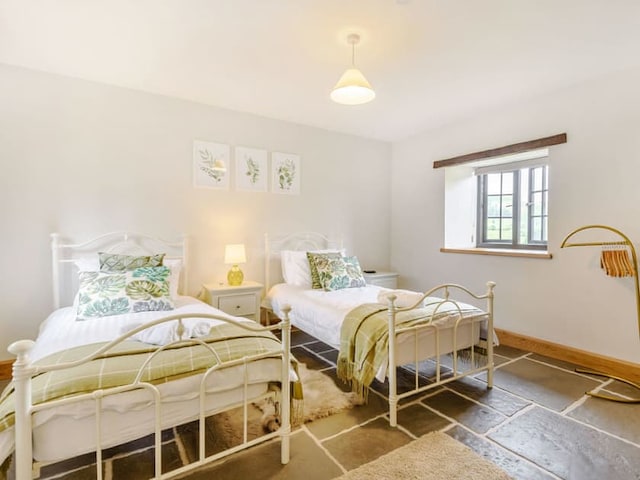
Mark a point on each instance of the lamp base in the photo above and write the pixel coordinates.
(235, 276)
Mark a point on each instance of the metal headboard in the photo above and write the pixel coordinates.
(291, 241)
(64, 256)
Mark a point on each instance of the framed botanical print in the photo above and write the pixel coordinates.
(251, 169)
(211, 165)
(285, 173)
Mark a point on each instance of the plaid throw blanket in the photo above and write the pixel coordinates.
(122, 363)
(364, 338)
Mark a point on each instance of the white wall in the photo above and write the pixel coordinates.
(84, 159)
(594, 179)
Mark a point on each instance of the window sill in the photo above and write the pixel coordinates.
(500, 252)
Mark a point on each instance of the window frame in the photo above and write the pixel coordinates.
(482, 208)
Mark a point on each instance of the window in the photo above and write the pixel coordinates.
(496, 201)
(513, 206)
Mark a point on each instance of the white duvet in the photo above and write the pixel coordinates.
(61, 330)
(125, 415)
(320, 313)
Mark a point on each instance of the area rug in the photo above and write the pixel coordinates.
(435, 456)
(322, 398)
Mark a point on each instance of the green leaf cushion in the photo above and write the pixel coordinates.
(322, 259)
(103, 294)
(339, 273)
(115, 262)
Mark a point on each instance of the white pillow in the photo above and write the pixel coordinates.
(87, 264)
(295, 266)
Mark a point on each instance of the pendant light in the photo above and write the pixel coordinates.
(352, 88)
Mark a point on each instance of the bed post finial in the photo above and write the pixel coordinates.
(22, 372)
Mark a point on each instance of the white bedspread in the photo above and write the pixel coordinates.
(320, 313)
(61, 331)
(127, 415)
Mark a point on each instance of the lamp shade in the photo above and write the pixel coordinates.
(234, 254)
(352, 89)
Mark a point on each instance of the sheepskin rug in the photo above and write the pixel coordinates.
(322, 398)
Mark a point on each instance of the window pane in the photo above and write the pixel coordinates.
(537, 204)
(545, 223)
(506, 232)
(546, 176)
(493, 229)
(507, 206)
(493, 206)
(494, 184)
(546, 203)
(537, 178)
(507, 182)
(536, 234)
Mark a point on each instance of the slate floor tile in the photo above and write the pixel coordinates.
(495, 397)
(308, 461)
(476, 417)
(366, 443)
(419, 420)
(319, 347)
(515, 466)
(311, 360)
(543, 384)
(568, 449)
(509, 352)
(621, 419)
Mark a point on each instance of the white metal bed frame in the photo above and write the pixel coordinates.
(317, 241)
(24, 370)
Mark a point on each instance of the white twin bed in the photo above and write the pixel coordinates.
(184, 369)
(438, 323)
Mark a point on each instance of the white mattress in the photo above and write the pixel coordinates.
(317, 312)
(321, 313)
(129, 415)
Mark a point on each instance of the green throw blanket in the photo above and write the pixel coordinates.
(364, 338)
(122, 363)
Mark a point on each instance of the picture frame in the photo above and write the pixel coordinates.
(285, 173)
(251, 165)
(211, 165)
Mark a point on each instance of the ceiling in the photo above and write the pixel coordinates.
(431, 62)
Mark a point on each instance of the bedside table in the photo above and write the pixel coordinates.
(382, 279)
(241, 301)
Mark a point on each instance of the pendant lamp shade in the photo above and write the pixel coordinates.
(352, 88)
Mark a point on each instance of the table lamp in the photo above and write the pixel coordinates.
(235, 254)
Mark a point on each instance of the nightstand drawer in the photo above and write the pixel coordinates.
(238, 304)
(389, 282)
(382, 279)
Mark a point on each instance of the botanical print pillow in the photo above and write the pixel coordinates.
(115, 262)
(319, 258)
(342, 272)
(102, 294)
